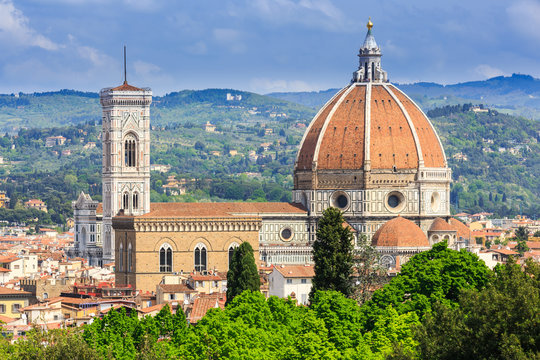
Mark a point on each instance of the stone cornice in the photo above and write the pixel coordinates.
(188, 224)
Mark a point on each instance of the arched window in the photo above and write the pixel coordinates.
(130, 151)
(200, 257)
(231, 252)
(165, 258)
(121, 257)
(129, 259)
(125, 201)
(135, 202)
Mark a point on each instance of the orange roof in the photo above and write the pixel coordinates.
(126, 87)
(150, 309)
(202, 304)
(209, 277)
(504, 251)
(336, 138)
(400, 232)
(440, 225)
(176, 288)
(8, 291)
(6, 319)
(4, 269)
(193, 210)
(296, 271)
(463, 230)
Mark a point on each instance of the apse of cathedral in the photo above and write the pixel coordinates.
(370, 151)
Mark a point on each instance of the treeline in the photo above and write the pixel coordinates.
(452, 109)
(444, 304)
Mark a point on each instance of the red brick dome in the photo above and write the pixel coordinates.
(400, 232)
(440, 225)
(372, 123)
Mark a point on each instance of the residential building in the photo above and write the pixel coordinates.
(289, 280)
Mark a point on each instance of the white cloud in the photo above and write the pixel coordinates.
(143, 68)
(96, 57)
(312, 13)
(265, 86)
(488, 71)
(14, 26)
(525, 16)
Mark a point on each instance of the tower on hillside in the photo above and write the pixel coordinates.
(126, 156)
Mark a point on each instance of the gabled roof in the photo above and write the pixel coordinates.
(176, 288)
(8, 291)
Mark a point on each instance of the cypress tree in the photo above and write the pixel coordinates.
(243, 274)
(333, 254)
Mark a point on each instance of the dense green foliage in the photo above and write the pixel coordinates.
(501, 321)
(243, 273)
(333, 254)
(434, 276)
(463, 311)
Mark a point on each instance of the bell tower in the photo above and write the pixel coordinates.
(126, 155)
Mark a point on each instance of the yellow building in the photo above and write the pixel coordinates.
(12, 300)
(4, 200)
(175, 238)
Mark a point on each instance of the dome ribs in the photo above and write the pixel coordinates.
(342, 146)
(431, 147)
(309, 143)
(391, 137)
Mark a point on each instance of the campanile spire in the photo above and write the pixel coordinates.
(369, 68)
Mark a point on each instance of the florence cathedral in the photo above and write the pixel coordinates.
(370, 151)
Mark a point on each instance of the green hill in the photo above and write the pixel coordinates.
(494, 157)
(517, 94)
(68, 107)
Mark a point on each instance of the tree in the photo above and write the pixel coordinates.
(437, 275)
(368, 271)
(333, 254)
(522, 235)
(498, 322)
(243, 274)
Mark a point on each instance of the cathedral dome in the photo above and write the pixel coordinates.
(370, 125)
(399, 232)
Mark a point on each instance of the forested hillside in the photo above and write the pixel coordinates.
(250, 155)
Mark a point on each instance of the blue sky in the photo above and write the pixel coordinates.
(259, 45)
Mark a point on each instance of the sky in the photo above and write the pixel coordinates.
(259, 45)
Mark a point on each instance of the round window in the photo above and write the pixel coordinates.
(286, 234)
(340, 200)
(393, 201)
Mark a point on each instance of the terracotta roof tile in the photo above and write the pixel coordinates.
(202, 304)
(194, 210)
(341, 145)
(440, 225)
(463, 230)
(126, 87)
(400, 232)
(8, 291)
(176, 288)
(296, 271)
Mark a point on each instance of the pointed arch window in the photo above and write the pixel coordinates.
(125, 201)
(121, 257)
(231, 252)
(135, 202)
(165, 258)
(129, 258)
(130, 151)
(200, 258)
